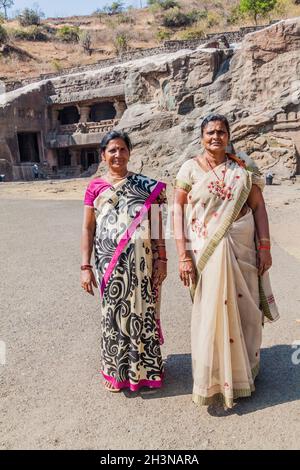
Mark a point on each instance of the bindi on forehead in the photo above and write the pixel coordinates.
(219, 125)
(113, 145)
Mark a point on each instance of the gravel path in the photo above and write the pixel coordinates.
(51, 394)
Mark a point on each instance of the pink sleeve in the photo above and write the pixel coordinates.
(96, 187)
(89, 196)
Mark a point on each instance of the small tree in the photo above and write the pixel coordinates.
(164, 4)
(68, 33)
(121, 42)
(257, 7)
(30, 17)
(3, 34)
(114, 8)
(5, 4)
(86, 42)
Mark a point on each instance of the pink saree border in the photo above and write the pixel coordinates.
(131, 386)
(129, 232)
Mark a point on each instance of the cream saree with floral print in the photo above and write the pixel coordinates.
(229, 299)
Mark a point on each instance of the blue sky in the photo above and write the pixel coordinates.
(68, 7)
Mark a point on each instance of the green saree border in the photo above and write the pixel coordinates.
(263, 301)
(182, 185)
(221, 232)
(220, 398)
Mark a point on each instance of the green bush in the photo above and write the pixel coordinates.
(196, 15)
(176, 19)
(29, 17)
(235, 15)
(86, 42)
(34, 33)
(196, 32)
(125, 19)
(121, 42)
(56, 65)
(163, 35)
(164, 4)
(213, 19)
(3, 34)
(68, 34)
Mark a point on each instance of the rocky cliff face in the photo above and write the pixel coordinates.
(256, 84)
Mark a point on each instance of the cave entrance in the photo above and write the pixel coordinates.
(63, 158)
(29, 147)
(89, 157)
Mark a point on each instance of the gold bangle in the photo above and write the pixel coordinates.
(184, 260)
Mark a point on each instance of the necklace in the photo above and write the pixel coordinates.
(218, 187)
(220, 181)
(118, 178)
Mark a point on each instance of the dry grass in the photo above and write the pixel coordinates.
(142, 26)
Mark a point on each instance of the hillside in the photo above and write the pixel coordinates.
(31, 51)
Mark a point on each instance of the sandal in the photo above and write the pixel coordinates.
(108, 386)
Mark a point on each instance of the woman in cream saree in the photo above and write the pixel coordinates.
(230, 299)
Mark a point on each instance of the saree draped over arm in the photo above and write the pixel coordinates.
(230, 300)
(131, 334)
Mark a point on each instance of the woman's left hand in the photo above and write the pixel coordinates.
(264, 261)
(159, 272)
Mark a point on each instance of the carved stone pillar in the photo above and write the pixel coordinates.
(84, 113)
(75, 155)
(55, 121)
(120, 107)
(51, 157)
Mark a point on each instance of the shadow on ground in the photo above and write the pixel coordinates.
(278, 381)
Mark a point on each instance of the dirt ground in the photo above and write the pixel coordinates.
(51, 394)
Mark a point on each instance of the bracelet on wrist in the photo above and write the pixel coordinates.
(162, 259)
(184, 260)
(86, 267)
(261, 247)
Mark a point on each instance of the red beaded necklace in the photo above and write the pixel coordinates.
(218, 187)
(220, 181)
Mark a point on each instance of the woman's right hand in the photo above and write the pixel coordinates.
(88, 279)
(187, 272)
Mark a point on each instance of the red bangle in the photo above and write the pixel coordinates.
(85, 267)
(264, 247)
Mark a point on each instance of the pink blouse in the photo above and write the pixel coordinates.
(95, 187)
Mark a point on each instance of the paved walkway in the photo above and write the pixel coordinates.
(51, 395)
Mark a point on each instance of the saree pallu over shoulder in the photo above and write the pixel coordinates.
(141, 193)
(130, 342)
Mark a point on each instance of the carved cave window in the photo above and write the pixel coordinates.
(102, 111)
(68, 115)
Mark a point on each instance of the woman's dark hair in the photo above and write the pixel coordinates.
(215, 117)
(115, 135)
